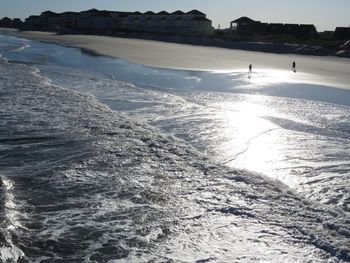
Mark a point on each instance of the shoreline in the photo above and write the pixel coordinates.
(160, 54)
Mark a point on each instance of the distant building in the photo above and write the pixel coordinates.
(305, 31)
(291, 29)
(342, 33)
(45, 16)
(119, 19)
(276, 28)
(327, 34)
(162, 18)
(85, 19)
(50, 20)
(33, 21)
(102, 21)
(16, 22)
(5, 22)
(244, 25)
(201, 25)
(177, 22)
(247, 26)
(69, 20)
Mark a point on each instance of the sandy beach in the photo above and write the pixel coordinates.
(331, 70)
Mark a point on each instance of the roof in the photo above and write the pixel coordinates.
(195, 12)
(93, 10)
(137, 13)
(244, 19)
(163, 13)
(69, 13)
(48, 12)
(178, 12)
(149, 13)
(342, 28)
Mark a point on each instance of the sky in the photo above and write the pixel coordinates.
(324, 14)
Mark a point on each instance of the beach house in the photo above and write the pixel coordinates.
(45, 16)
(102, 21)
(85, 19)
(118, 20)
(16, 22)
(342, 33)
(244, 25)
(306, 31)
(33, 21)
(276, 28)
(162, 22)
(50, 20)
(195, 21)
(291, 29)
(247, 26)
(5, 22)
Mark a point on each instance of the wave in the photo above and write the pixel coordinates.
(99, 185)
(18, 49)
(10, 221)
(333, 132)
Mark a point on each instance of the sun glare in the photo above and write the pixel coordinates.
(249, 140)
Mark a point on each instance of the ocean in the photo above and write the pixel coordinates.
(104, 160)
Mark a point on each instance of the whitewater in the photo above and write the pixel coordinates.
(103, 160)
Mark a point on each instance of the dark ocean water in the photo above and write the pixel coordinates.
(102, 160)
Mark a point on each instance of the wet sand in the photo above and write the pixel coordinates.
(329, 70)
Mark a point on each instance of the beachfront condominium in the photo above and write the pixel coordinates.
(95, 20)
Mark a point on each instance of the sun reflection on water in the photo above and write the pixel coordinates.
(251, 141)
(261, 77)
(265, 77)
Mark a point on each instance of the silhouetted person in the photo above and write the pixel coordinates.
(250, 70)
(293, 67)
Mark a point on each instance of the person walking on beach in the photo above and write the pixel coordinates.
(293, 67)
(250, 70)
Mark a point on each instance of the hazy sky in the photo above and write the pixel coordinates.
(325, 14)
